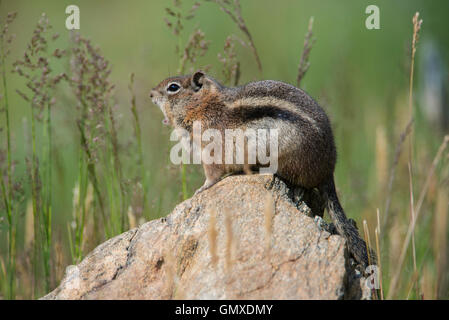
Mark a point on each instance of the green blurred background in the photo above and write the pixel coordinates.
(359, 76)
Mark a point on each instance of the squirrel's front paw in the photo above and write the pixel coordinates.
(201, 189)
(205, 186)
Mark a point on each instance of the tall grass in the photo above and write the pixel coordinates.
(7, 189)
(142, 175)
(304, 63)
(234, 11)
(101, 155)
(103, 193)
(41, 82)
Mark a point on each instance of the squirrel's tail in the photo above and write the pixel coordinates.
(346, 228)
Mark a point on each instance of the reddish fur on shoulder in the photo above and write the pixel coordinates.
(204, 109)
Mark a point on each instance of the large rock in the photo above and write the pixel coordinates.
(259, 253)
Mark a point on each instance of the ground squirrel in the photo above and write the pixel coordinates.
(306, 147)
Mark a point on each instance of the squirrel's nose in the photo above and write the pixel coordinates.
(153, 94)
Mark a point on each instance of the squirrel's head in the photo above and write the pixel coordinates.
(176, 96)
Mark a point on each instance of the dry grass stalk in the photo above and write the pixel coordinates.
(2, 268)
(394, 239)
(378, 220)
(212, 236)
(430, 173)
(440, 245)
(368, 249)
(412, 283)
(175, 18)
(414, 212)
(411, 228)
(379, 262)
(367, 240)
(29, 227)
(132, 221)
(412, 219)
(170, 270)
(231, 66)
(416, 28)
(3, 273)
(304, 63)
(234, 11)
(196, 46)
(427, 283)
(269, 211)
(141, 185)
(88, 230)
(59, 261)
(229, 240)
(397, 154)
(381, 158)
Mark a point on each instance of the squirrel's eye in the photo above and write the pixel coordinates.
(173, 87)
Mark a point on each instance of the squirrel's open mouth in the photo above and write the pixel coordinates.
(165, 121)
(160, 104)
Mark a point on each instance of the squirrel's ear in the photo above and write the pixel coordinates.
(198, 80)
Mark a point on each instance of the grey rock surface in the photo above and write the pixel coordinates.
(244, 238)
